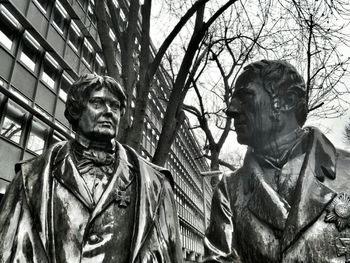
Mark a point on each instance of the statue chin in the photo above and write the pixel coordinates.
(100, 136)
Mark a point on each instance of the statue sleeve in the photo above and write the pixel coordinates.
(169, 225)
(19, 242)
(219, 239)
(10, 214)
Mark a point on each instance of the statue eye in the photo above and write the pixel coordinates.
(247, 97)
(96, 103)
(115, 105)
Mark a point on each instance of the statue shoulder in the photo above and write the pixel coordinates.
(232, 177)
(43, 158)
(341, 182)
(143, 165)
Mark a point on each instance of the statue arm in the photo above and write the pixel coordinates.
(19, 241)
(10, 215)
(219, 239)
(169, 225)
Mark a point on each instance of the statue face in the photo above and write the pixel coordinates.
(100, 118)
(252, 112)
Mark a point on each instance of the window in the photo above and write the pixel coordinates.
(50, 71)
(42, 4)
(8, 28)
(60, 17)
(87, 52)
(99, 66)
(30, 51)
(91, 12)
(65, 84)
(122, 15)
(82, 2)
(74, 36)
(112, 35)
(56, 137)
(37, 137)
(19, 95)
(13, 123)
(42, 112)
(115, 2)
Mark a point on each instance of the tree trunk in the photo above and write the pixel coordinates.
(214, 165)
(176, 97)
(106, 42)
(134, 137)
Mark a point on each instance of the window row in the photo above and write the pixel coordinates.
(188, 213)
(187, 188)
(150, 138)
(180, 167)
(32, 52)
(186, 159)
(24, 130)
(191, 240)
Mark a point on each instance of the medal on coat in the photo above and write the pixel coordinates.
(120, 193)
(343, 248)
(338, 211)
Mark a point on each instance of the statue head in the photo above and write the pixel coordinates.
(269, 100)
(94, 106)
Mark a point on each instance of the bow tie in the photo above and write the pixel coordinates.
(99, 158)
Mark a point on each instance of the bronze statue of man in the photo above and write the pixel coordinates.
(90, 199)
(290, 200)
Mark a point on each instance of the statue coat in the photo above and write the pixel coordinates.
(250, 222)
(47, 213)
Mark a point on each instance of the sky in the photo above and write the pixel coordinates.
(333, 128)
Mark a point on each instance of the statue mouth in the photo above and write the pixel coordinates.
(106, 123)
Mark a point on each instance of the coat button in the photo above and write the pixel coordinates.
(94, 239)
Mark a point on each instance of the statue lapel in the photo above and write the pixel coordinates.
(67, 174)
(311, 194)
(264, 202)
(150, 192)
(112, 193)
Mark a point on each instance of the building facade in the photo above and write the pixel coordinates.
(44, 46)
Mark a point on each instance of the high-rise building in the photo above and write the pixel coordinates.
(44, 46)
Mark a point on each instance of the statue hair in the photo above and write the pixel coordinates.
(80, 91)
(278, 77)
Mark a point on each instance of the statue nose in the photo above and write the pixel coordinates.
(234, 108)
(108, 108)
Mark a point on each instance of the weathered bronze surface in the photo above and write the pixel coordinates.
(90, 199)
(289, 202)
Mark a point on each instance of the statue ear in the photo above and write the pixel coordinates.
(74, 113)
(289, 101)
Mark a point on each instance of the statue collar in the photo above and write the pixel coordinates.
(280, 146)
(107, 146)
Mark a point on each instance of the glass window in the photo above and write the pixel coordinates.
(30, 52)
(99, 66)
(74, 36)
(43, 4)
(112, 35)
(60, 17)
(37, 137)
(8, 28)
(116, 4)
(122, 15)
(50, 71)
(91, 12)
(13, 122)
(82, 2)
(87, 52)
(65, 84)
